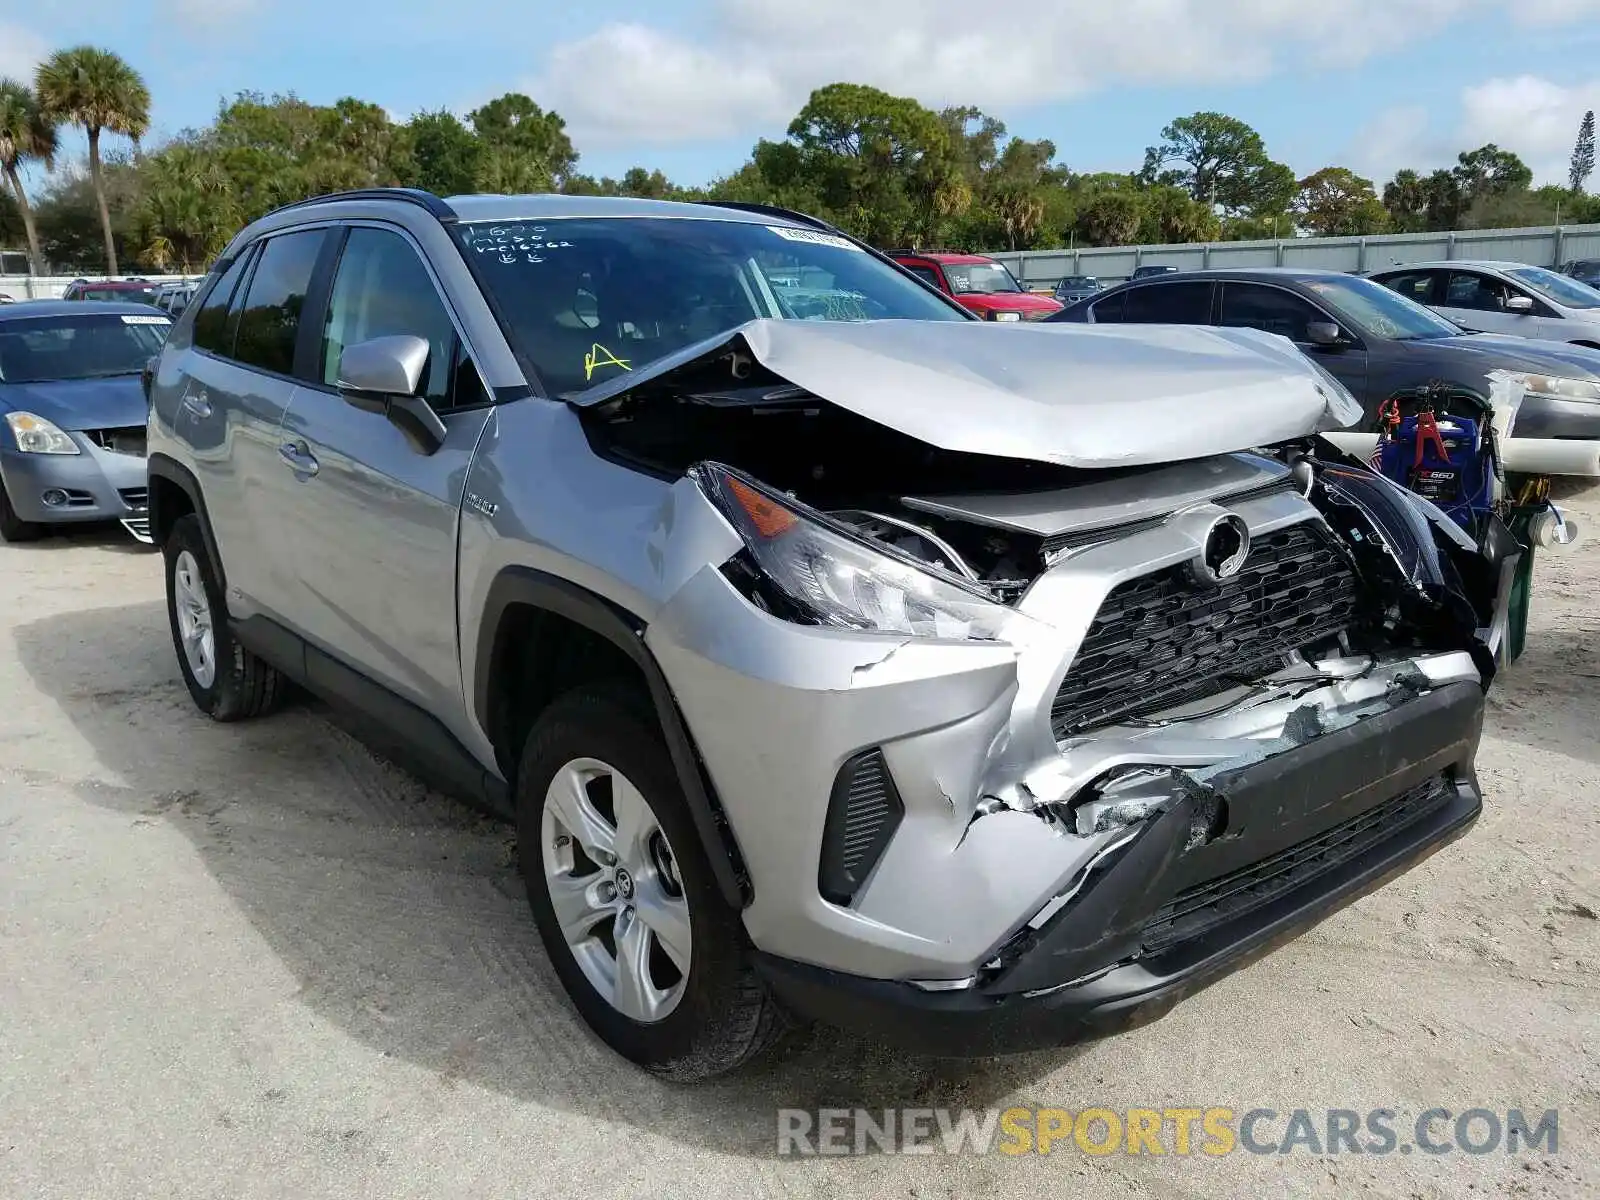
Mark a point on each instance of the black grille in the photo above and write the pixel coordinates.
(1163, 639)
(128, 439)
(863, 813)
(1195, 911)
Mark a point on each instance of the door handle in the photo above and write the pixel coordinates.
(197, 403)
(299, 458)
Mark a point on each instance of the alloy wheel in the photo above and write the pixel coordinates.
(193, 609)
(614, 887)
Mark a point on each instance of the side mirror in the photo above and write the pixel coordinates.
(1519, 304)
(1323, 333)
(382, 375)
(147, 377)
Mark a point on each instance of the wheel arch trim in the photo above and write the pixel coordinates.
(526, 587)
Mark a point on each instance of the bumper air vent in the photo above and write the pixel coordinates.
(863, 813)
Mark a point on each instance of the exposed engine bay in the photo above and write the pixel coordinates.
(1424, 585)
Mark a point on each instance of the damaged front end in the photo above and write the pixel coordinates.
(994, 731)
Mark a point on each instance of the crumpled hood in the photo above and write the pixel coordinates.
(1090, 396)
(75, 404)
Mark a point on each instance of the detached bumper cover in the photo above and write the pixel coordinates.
(1306, 832)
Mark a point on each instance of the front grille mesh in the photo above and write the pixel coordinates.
(1163, 639)
(128, 439)
(1199, 909)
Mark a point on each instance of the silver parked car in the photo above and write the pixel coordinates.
(1503, 297)
(981, 688)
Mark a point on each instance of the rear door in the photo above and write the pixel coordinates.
(238, 383)
(1281, 311)
(373, 520)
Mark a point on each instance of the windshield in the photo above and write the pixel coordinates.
(1374, 310)
(984, 279)
(1567, 292)
(1080, 281)
(43, 349)
(587, 298)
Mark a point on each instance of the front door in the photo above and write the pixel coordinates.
(1478, 301)
(376, 519)
(1278, 310)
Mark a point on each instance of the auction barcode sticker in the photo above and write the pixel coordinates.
(815, 237)
(138, 319)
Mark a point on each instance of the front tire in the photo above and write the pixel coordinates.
(12, 527)
(651, 955)
(226, 681)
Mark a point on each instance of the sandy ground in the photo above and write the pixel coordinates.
(257, 961)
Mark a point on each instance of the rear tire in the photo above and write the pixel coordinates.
(226, 681)
(653, 958)
(12, 527)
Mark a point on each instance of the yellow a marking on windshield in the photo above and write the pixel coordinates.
(599, 356)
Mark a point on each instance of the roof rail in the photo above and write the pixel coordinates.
(773, 210)
(417, 196)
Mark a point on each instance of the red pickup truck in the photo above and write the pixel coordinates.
(978, 283)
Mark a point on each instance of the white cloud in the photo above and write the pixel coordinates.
(20, 51)
(1534, 117)
(207, 16)
(757, 60)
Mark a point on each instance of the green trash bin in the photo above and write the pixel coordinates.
(1522, 586)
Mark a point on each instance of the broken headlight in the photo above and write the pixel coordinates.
(824, 573)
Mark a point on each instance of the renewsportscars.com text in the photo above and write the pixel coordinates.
(1178, 1131)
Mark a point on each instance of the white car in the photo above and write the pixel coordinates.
(1503, 297)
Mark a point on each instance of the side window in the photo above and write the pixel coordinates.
(927, 274)
(382, 289)
(1413, 285)
(211, 321)
(269, 322)
(1255, 306)
(1169, 304)
(1477, 292)
(1109, 310)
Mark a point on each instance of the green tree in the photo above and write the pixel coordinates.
(1337, 201)
(186, 210)
(1582, 165)
(1220, 161)
(1489, 171)
(522, 144)
(25, 136)
(96, 90)
(444, 154)
(1109, 217)
(67, 211)
(1405, 199)
(1170, 216)
(882, 164)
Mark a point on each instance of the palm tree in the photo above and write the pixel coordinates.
(24, 134)
(97, 90)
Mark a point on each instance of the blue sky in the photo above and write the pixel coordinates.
(688, 85)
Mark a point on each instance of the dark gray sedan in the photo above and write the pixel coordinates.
(1373, 340)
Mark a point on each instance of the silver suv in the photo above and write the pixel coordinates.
(837, 655)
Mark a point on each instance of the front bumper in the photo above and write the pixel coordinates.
(981, 847)
(1308, 832)
(96, 485)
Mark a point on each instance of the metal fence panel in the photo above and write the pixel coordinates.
(1546, 246)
